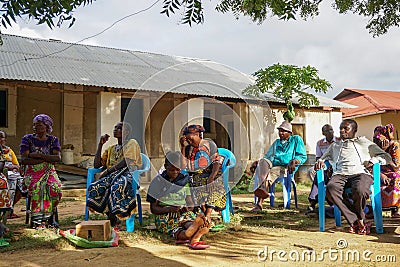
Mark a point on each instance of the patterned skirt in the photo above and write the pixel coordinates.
(170, 222)
(15, 181)
(391, 193)
(44, 188)
(212, 195)
(5, 199)
(113, 193)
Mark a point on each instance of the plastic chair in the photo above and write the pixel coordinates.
(287, 183)
(228, 163)
(130, 223)
(375, 200)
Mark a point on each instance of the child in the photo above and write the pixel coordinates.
(171, 202)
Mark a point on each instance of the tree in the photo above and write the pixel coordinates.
(42, 11)
(381, 14)
(286, 81)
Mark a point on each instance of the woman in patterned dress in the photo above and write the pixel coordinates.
(14, 178)
(390, 174)
(39, 151)
(112, 193)
(171, 203)
(203, 164)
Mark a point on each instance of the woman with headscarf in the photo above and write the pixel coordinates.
(390, 174)
(112, 193)
(39, 151)
(203, 165)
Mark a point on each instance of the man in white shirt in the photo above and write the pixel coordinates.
(321, 147)
(350, 158)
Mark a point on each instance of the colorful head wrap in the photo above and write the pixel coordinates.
(46, 120)
(194, 128)
(386, 131)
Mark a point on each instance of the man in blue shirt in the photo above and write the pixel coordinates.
(284, 155)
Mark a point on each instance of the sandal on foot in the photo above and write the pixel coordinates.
(179, 242)
(198, 246)
(256, 208)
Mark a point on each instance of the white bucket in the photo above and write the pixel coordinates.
(67, 156)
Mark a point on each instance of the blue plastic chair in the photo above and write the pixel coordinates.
(287, 183)
(130, 223)
(375, 200)
(228, 163)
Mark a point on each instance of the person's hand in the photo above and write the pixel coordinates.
(385, 180)
(184, 209)
(174, 208)
(385, 144)
(292, 166)
(210, 180)
(182, 141)
(103, 139)
(35, 155)
(319, 165)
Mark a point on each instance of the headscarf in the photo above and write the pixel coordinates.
(193, 129)
(47, 120)
(386, 131)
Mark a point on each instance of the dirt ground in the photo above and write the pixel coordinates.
(246, 246)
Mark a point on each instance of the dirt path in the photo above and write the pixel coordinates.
(245, 247)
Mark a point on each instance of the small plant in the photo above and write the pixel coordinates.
(236, 222)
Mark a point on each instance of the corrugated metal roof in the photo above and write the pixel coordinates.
(368, 101)
(29, 59)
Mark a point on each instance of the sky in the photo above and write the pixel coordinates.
(337, 45)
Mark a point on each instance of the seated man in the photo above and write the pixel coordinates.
(322, 146)
(350, 158)
(171, 202)
(283, 156)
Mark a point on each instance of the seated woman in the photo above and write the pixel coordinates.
(390, 174)
(202, 163)
(39, 151)
(14, 178)
(171, 202)
(112, 193)
(5, 200)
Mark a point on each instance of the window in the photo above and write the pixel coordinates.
(3, 108)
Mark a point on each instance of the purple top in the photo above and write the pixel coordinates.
(31, 143)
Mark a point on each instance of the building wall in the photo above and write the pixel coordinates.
(394, 118)
(72, 119)
(367, 124)
(33, 101)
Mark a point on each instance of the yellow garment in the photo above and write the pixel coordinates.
(129, 150)
(9, 155)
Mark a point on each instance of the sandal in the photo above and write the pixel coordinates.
(217, 228)
(256, 208)
(198, 246)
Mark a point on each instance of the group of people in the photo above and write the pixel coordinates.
(182, 201)
(347, 162)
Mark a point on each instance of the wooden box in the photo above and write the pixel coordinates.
(94, 230)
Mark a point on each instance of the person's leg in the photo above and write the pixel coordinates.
(262, 172)
(360, 189)
(334, 190)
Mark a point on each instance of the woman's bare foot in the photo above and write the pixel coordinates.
(200, 232)
(197, 223)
